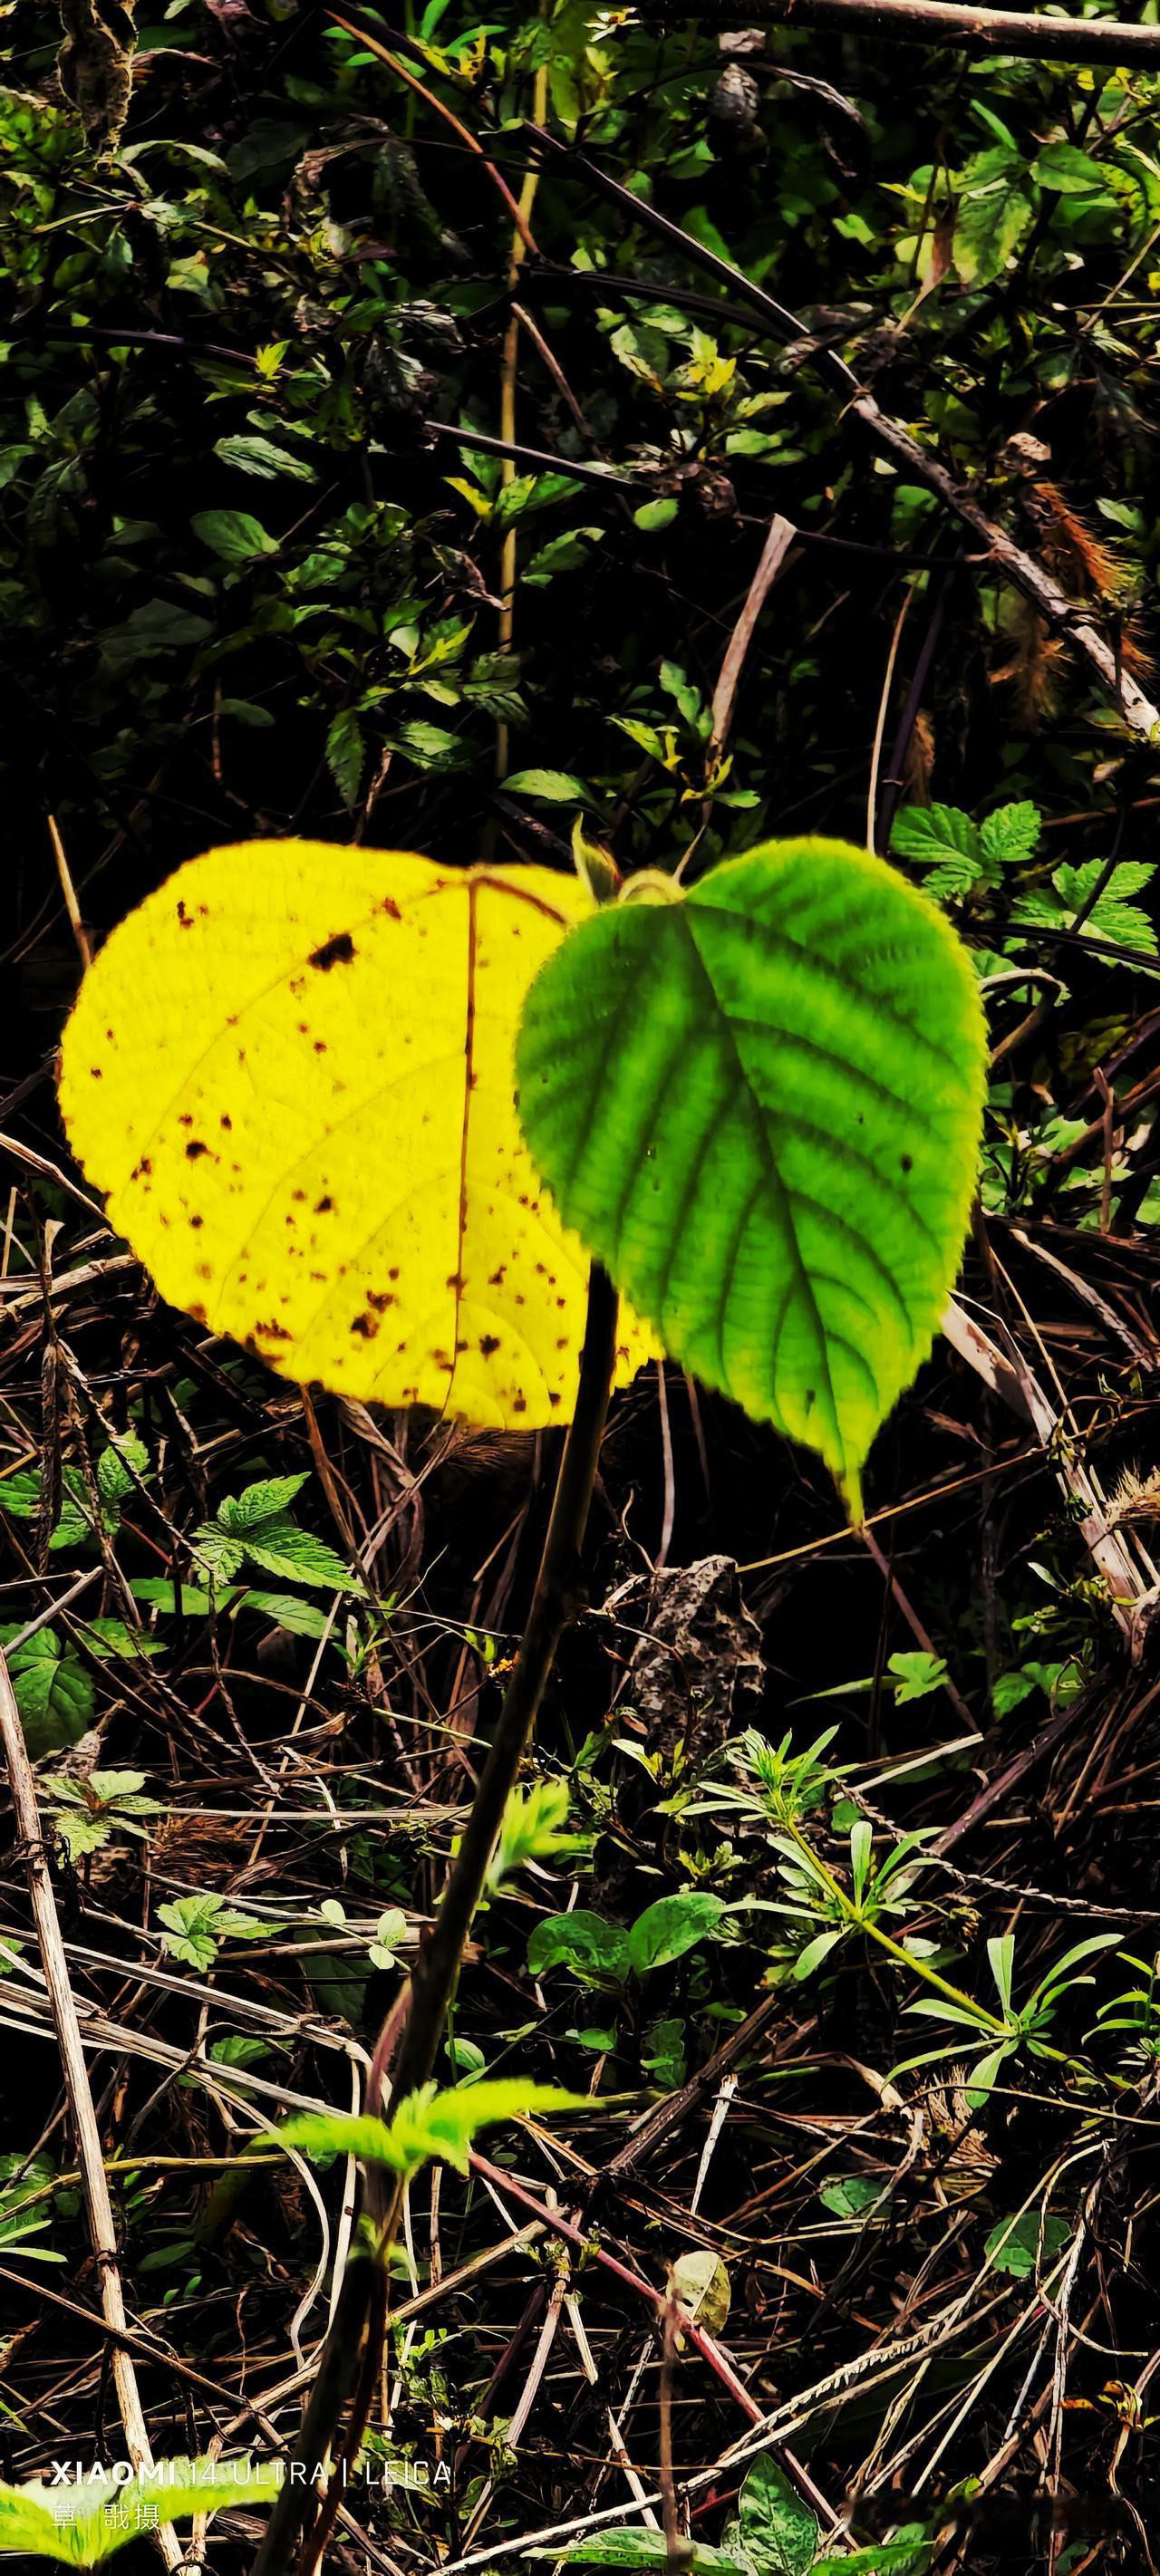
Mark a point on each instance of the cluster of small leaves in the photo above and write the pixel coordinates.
(965, 863)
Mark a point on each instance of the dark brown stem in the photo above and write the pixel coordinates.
(350, 2357)
(944, 22)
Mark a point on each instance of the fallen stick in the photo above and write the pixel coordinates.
(944, 22)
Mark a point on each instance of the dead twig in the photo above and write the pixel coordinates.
(102, 2226)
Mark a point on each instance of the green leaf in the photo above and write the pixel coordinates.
(535, 1827)
(642, 2548)
(54, 1693)
(1010, 836)
(774, 2527)
(759, 1105)
(175, 1598)
(670, 1927)
(944, 840)
(546, 787)
(86, 2522)
(196, 1926)
(1070, 172)
(107, 1637)
(257, 1503)
(233, 535)
(119, 1470)
(596, 1950)
(279, 1547)
(568, 553)
(1112, 917)
(653, 515)
(849, 2195)
(260, 456)
(346, 754)
(916, 1675)
(994, 211)
(298, 1618)
(1026, 2244)
(429, 2124)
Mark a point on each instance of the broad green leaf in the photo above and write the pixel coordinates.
(1027, 2244)
(994, 210)
(292, 1070)
(760, 1104)
(582, 1941)
(54, 1693)
(670, 1927)
(233, 534)
(850, 2195)
(108, 1637)
(774, 2527)
(1070, 172)
(173, 1597)
(643, 2548)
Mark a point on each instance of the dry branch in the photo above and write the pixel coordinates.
(90, 2155)
(943, 22)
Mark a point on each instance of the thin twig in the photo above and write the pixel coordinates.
(102, 2226)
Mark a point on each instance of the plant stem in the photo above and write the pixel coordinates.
(921, 1968)
(350, 2354)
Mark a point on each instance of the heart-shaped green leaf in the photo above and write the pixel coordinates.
(759, 1103)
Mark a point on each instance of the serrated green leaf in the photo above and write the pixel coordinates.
(428, 2125)
(1010, 836)
(280, 1547)
(760, 1106)
(931, 832)
(257, 1503)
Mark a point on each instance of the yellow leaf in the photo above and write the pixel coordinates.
(292, 1071)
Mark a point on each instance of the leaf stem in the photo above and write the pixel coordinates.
(350, 2355)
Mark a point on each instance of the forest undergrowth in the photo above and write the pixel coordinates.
(596, 438)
